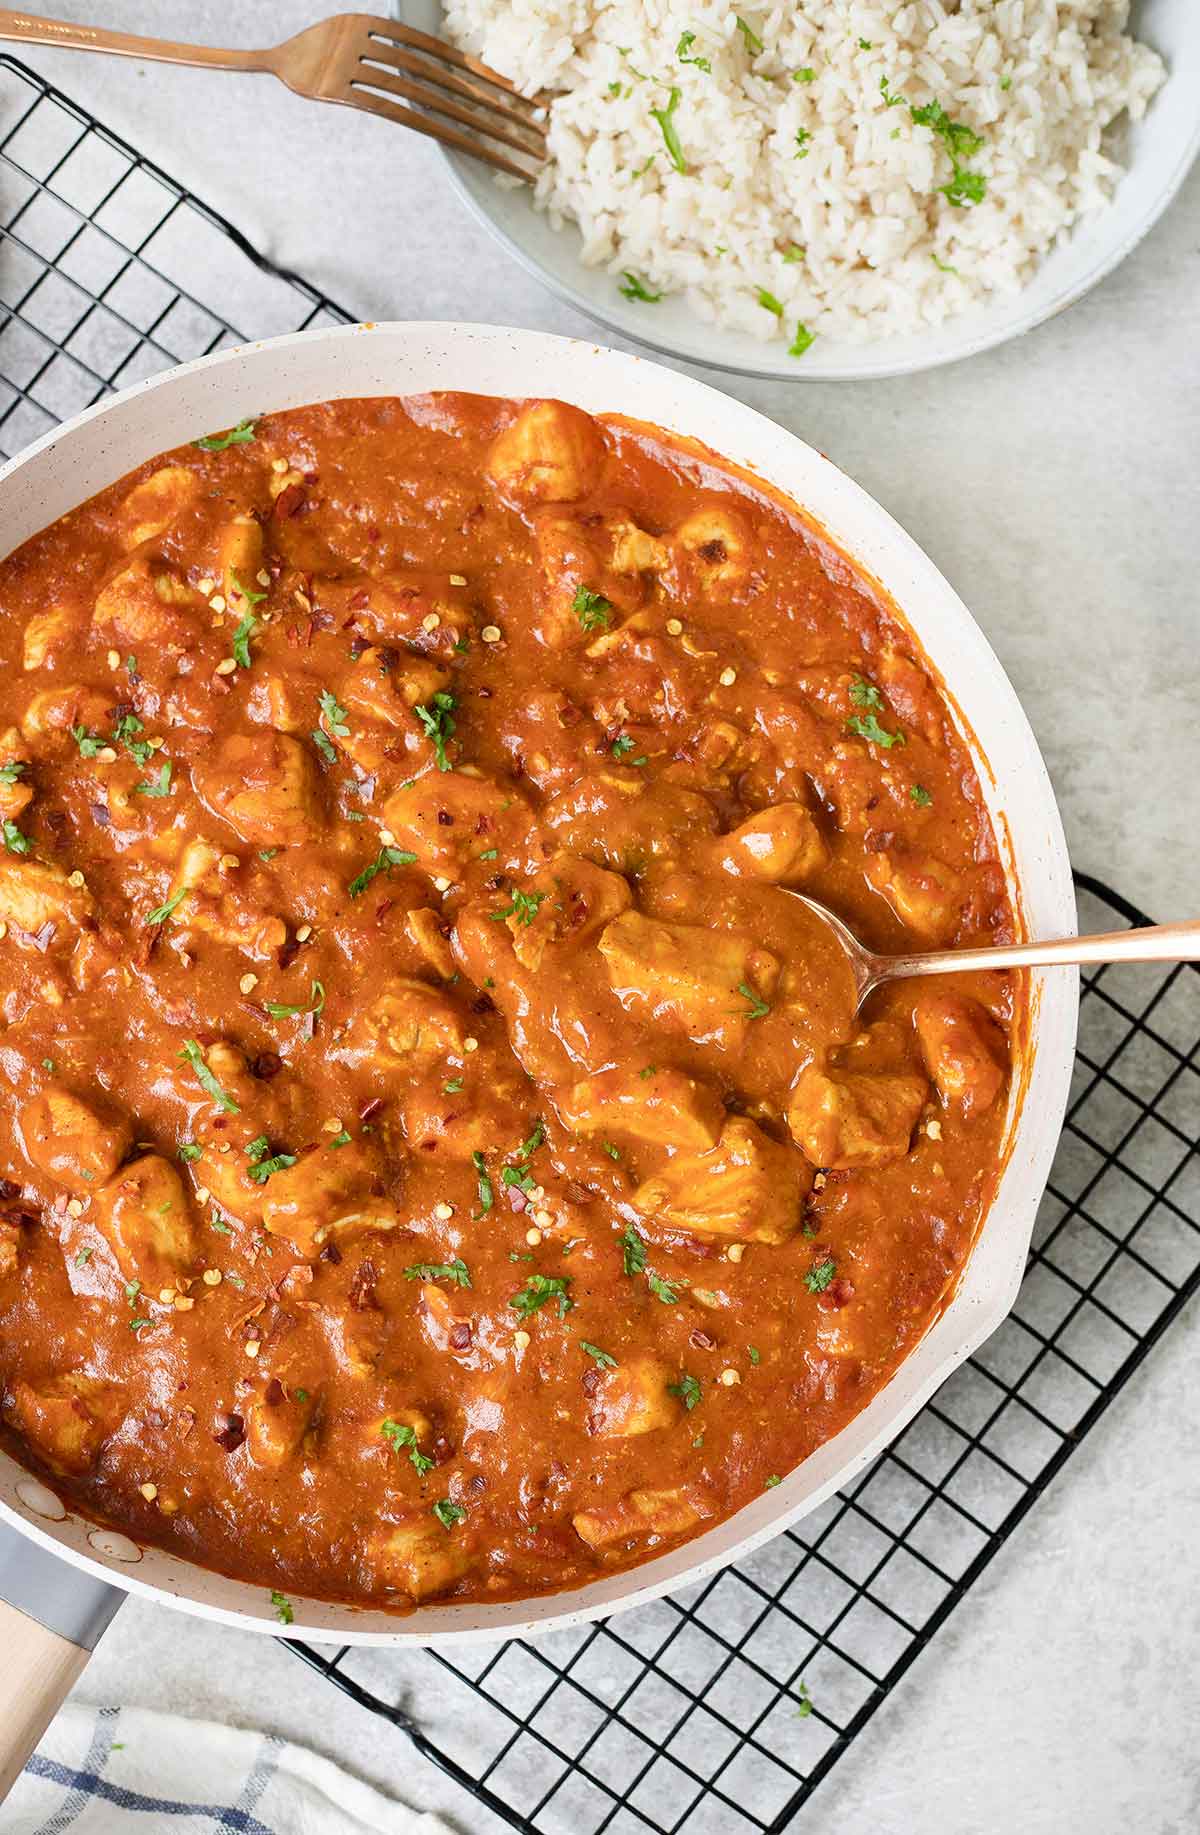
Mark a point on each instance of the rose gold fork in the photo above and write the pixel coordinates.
(358, 59)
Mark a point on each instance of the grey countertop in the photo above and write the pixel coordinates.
(1055, 484)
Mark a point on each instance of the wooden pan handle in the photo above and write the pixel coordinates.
(51, 1615)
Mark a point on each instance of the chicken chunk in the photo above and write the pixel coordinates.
(145, 1216)
(146, 603)
(49, 634)
(324, 1194)
(66, 1420)
(264, 785)
(611, 817)
(965, 1051)
(686, 975)
(217, 902)
(448, 818)
(715, 554)
(52, 717)
(10, 1247)
(379, 694)
(925, 894)
(593, 569)
(239, 561)
(551, 453)
(664, 1108)
(16, 794)
(782, 845)
(411, 1026)
(850, 1120)
(574, 901)
(152, 506)
(418, 1557)
(913, 695)
(33, 894)
(632, 1399)
(439, 1118)
(75, 1143)
(643, 1516)
(746, 1187)
(276, 1423)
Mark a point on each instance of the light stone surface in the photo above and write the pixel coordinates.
(1055, 484)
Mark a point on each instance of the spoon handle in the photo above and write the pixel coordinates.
(1157, 943)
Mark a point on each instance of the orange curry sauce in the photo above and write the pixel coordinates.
(440, 1158)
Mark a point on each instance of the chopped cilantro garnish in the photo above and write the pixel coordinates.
(403, 1438)
(387, 857)
(662, 1290)
(683, 52)
(324, 745)
(190, 1151)
(280, 1601)
(245, 592)
(89, 743)
(139, 1325)
(487, 1192)
(759, 1008)
(864, 44)
(866, 726)
(314, 1004)
(633, 1251)
(248, 628)
(241, 435)
(944, 267)
(793, 253)
(158, 786)
(10, 772)
(598, 1356)
(772, 1481)
(489, 853)
(455, 1271)
(452, 1088)
(864, 693)
(804, 1707)
(687, 1389)
(447, 1513)
(817, 1279)
(591, 609)
(341, 1139)
(538, 1290)
(140, 750)
(614, 1153)
(204, 1076)
(803, 339)
(84, 1256)
(964, 188)
(162, 912)
(806, 75)
(769, 303)
(754, 1355)
(437, 719)
(14, 840)
(262, 1169)
(633, 288)
(802, 139)
(920, 796)
(641, 173)
(335, 714)
(523, 907)
(670, 136)
(754, 43)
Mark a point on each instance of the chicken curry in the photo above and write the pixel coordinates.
(441, 1158)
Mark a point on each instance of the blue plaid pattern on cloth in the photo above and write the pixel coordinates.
(113, 1771)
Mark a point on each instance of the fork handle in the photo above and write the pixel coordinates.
(24, 28)
(1156, 943)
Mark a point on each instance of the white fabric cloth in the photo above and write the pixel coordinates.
(128, 1771)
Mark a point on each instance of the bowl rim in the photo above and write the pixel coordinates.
(882, 543)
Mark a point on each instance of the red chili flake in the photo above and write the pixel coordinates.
(516, 1197)
(266, 1065)
(232, 1434)
(362, 1287)
(100, 814)
(442, 1450)
(483, 1003)
(569, 714)
(701, 1341)
(445, 818)
(8, 1190)
(460, 1335)
(590, 1380)
(839, 1293)
(288, 501)
(274, 1393)
(370, 1109)
(331, 1253)
(358, 600)
(287, 952)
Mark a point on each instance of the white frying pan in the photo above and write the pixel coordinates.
(61, 1576)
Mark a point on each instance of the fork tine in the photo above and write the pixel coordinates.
(443, 108)
(440, 51)
(436, 130)
(391, 58)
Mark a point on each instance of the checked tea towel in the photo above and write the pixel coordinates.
(128, 1771)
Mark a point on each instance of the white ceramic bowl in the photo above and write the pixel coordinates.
(1161, 149)
(99, 446)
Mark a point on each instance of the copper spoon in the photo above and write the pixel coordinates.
(1155, 943)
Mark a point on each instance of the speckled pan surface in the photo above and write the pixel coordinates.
(89, 453)
(1159, 153)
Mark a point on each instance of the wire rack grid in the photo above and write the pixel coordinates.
(722, 1708)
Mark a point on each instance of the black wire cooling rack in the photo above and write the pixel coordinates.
(717, 1711)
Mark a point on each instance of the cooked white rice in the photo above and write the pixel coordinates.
(801, 184)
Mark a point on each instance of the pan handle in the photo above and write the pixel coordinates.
(51, 1617)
